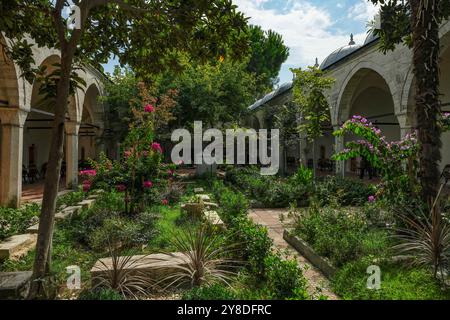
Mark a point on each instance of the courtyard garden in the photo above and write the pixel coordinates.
(154, 214)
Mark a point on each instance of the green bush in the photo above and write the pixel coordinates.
(232, 204)
(253, 242)
(213, 292)
(271, 191)
(70, 199)
(106, 222)
(340, 235)
(16, 221)
(342, 192)
(285, 280)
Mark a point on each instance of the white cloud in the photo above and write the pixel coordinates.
(306, 29)
(363, 11)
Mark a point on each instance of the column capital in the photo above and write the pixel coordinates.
(72, 127)
(13, 116)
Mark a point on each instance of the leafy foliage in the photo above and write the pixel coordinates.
(207, 259)
(340, 235)
(268, 53)
(396, 161)
(15, 221)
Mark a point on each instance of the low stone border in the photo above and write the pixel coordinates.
(305, 250)
(14, 285)
(156, 265)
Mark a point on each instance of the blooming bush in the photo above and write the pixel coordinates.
(138, 173)
(445, 121)
(391, 159)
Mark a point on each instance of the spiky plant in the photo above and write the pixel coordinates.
(122, 277)
(207, 259)
(425, 239)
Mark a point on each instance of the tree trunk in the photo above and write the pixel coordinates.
(425, 29)
(41, 267)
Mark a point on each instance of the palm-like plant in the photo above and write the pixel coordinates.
(121, 275)
(207, 259)
(425, 239)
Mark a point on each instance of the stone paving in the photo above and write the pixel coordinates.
(270, 218)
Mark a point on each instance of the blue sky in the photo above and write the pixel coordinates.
(310, 28)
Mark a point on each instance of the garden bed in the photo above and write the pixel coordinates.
(308, 252)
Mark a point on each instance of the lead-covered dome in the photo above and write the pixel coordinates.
(371, 37)
(340, 53)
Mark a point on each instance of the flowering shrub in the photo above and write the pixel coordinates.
(391, 159)
(87, 177)
(139, 171)
(445, 121)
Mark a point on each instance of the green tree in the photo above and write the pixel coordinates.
(145, 34)
(309, 97)
(268, 53)
(216, 93)
(416, 23)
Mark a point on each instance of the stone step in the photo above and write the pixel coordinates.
(198, 190)
(211, 205)
(193, 209)
(86, 204)
(154, 265)
(93, 196)
(14, 285)
(17, 246)
(213, 218)
(203, 197)
(67, 213)
(33, 229)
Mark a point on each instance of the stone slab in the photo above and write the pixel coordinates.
(214, 219)
(153, 265)
(17, 246)
(93, 197)
(33, 229)
(67, 213)
(211, 205)
(198, 190)
(305, 250)
(203, 197)
(14, 285)
(86, 204)
(193, 209)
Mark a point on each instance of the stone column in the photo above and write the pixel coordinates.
(72, 129)
(12, 122)
(405, 123)
(338, 147)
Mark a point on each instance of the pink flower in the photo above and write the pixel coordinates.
(89, 173)
(127, 153)
(86, 186)
(121, 187)
(145, 153)
(149, 108)
(170, 172)
(165, 202)
(147, 184)
(371, 199)
(156, 147)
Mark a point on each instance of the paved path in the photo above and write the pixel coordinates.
(271, 219)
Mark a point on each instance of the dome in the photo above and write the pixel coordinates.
(339, 54)
(371, 37)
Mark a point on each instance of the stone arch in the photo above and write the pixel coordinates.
(11, 95)
(350, 84)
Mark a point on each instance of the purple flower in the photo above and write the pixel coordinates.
(371, 199)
